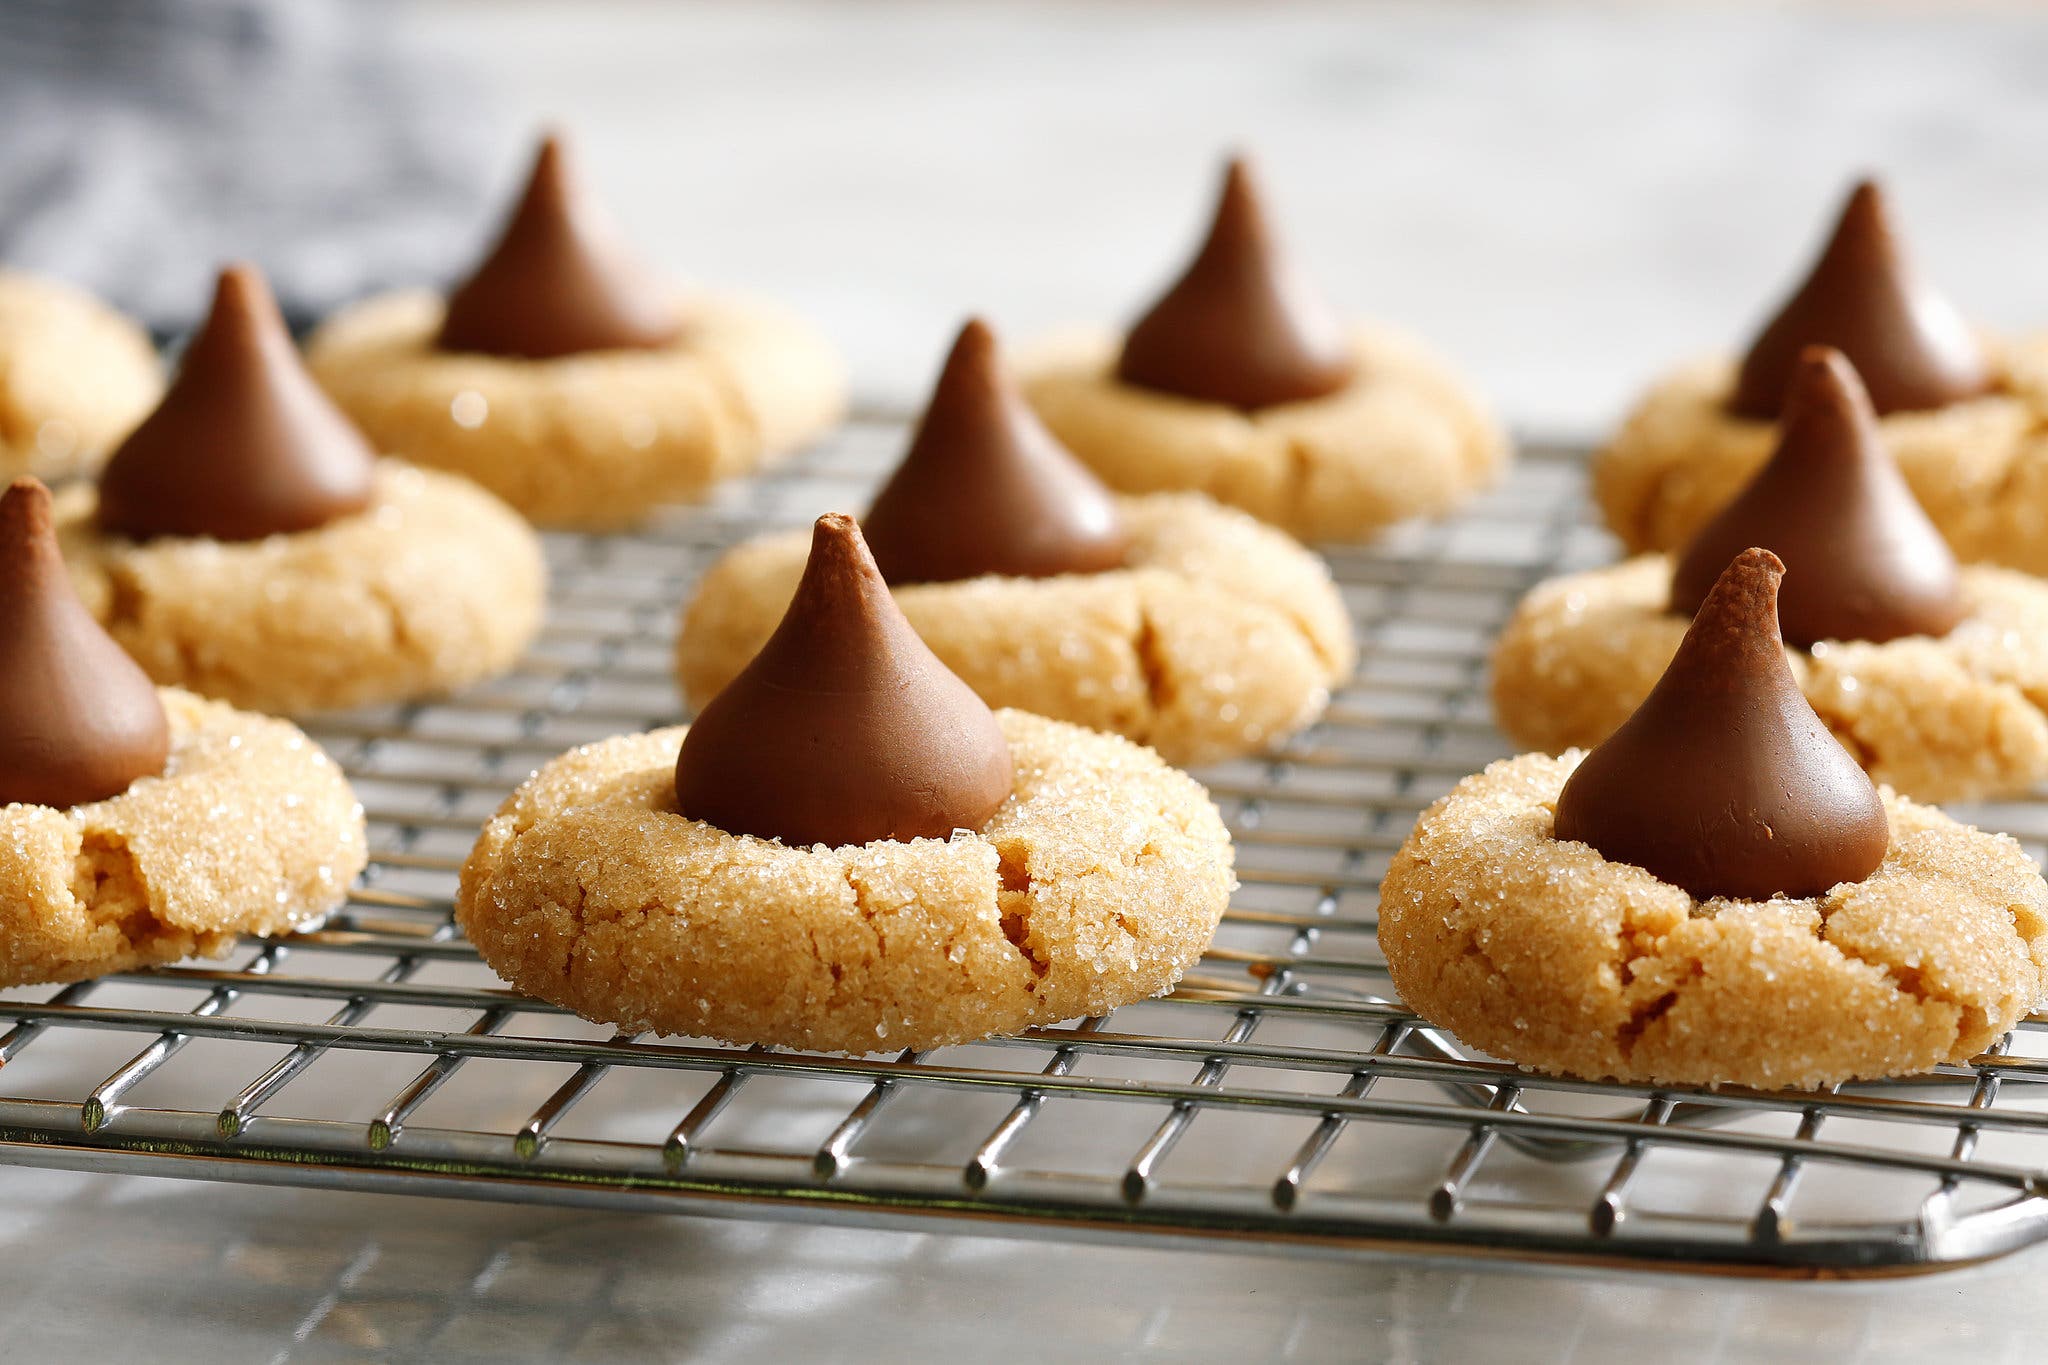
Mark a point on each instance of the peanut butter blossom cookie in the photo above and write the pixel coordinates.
(75, 376)
(570, 382)
(1962, 412)
(848, 851)
(1717, 893)
(245, 542)
(1165, 618)
(140, 826)
(1240, 383)
(1935, 677)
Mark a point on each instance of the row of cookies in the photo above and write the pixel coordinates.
(244, 542)
(954, 870)
(559, 374)
(240, 542)
(849, 849)
(1736, 883)
(630, 971)
(914, 808)
(1718, 893)
(565, 378)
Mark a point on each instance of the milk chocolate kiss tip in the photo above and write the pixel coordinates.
(986, 489)
(244, 444)
(1724, 782)
(845, 729)
(1863, 561)
(557, 282)
(79, 722)
(1864, 297)
(25, 518)
(1240, 326)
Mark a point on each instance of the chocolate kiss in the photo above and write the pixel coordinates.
(558, 282)
(244, 444)
(78, 720)
(1241, 326)
(1865, 563)
(1863, 297)
(845, 728)
(986, 489)
(1724, 782)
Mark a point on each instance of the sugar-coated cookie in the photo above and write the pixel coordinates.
(245, 541)
(1956, 717)
(571, 381)
(1404, 437)
(1960, 410)
(595, 441)
(1540, 950)
(1218, 637)
(436, 584)
(1931, 674)
(250, 829)
(1096, 883)
(1241, 382)
(74, 377)
(1979, 467)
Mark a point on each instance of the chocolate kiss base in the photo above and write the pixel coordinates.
(845, 729)
(79, 721)
(557, 282)
(1241, 326)
(1724, 782)
(985, 489)
(1863, 561)
(244, 444)
(1863, 297)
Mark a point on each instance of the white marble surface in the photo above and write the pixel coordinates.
(1565, 199)
(159, 1271)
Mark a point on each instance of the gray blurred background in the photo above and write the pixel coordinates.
(1565, 197)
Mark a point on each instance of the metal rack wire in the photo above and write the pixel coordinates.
(1281, 1098)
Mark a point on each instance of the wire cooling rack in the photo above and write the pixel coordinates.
(1281, 1098)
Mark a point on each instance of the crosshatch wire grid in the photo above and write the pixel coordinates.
(1281, 1098)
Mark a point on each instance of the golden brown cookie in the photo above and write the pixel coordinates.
(1219, 638)
(1543, 952)
(75, 376)
(436, 585)
(595, 441)
(1405, 438)
(1095, 884)
(251, 829)
(1979, 467)
(1949, 719)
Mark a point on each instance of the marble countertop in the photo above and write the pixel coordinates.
(1565, 199)
(162, 1271)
